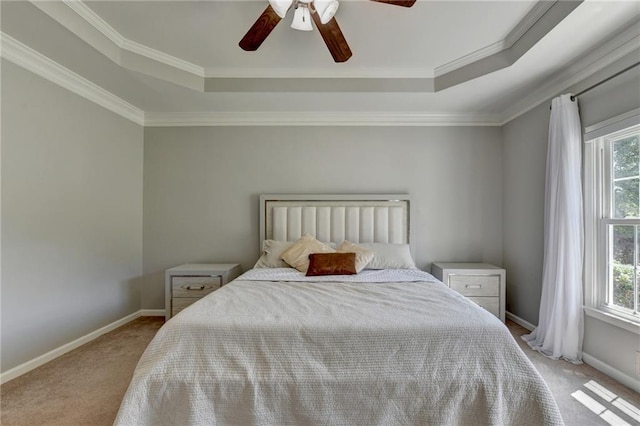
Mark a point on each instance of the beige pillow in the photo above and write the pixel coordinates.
(363, 255)
(298, 254)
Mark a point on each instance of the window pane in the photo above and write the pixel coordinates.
(625, 157)
(626, 198)
(636, 290)
(623, 255)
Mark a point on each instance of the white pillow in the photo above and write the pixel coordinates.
(389, 256)
(271, 252)
(298, 254)
(363, 255)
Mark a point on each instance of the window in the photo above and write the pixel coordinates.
(612, 234)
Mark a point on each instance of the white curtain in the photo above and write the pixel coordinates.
(560, 327)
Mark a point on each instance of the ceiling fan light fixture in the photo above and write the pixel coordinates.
(326, 9)
(302, 19)
(281, 6)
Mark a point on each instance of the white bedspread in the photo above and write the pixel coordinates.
(335, 353)
(366, 276)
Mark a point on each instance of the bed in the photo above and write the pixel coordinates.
(390, 346)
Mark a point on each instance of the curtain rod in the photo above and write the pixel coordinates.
(573, 97)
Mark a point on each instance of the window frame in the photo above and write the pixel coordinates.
(598, 201)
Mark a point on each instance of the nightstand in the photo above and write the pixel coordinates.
(187, 283)
(481, 282)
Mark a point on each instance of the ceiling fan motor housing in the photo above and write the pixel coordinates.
(322, 12)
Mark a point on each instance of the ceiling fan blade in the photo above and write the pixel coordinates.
(403, 3)
(333, 38)
(260, 30)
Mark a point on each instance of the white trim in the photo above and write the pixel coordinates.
(322, 118)
(592, 190)
(520, 321)
(618, 47)
(612, 319)
(618, 375)
(470, 58)
(165, 58)
(612, 125)
(33, 61)
(597, 188)
(152, 312)
(61, 350)
(95, 21)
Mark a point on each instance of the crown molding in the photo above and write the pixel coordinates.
(161, 57)
(539, 9)
(95, 21)
(80, 20)
(617, 48)
(320, 118)
(27, 58)
(33, 61)
(471, 58)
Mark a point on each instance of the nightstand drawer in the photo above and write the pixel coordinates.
(491, 304)
(184, 284)
(194, 287)
(475, 285)
(181, 303)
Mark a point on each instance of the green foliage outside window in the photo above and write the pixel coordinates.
(623, 285)
(626, 171)
(626, 199)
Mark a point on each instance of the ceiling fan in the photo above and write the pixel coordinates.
(321, 11)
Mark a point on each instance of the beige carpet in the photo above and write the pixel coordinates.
(82, 387)
(85, 386)
(585, 395)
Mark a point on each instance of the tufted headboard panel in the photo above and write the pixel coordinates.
(382, 218)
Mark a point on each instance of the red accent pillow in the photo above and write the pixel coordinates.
(331, 264)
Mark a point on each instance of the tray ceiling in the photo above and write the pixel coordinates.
(476, 60)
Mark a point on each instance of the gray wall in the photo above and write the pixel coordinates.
(71, 216)
(201, 187)
(524, 163)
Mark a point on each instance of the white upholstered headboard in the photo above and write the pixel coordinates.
(376, 218)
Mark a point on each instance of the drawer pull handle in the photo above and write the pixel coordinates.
(473, 286)
(195, 287)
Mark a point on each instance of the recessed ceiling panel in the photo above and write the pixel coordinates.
(402, 41)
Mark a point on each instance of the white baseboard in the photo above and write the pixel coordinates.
(520, 321)
(152, 312)
(623, 378)
(59, 351)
